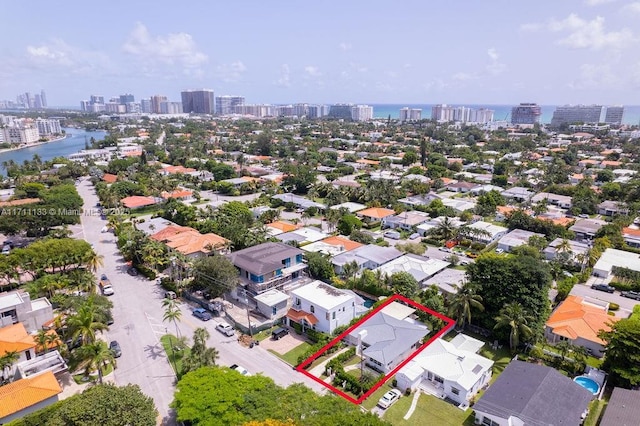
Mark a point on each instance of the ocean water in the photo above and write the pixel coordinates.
(48, 151)
(501, 112)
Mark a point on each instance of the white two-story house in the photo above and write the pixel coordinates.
(321, 307)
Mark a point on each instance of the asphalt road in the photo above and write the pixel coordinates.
(138, 324)
(626, 304)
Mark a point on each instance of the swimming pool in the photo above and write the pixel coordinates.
(588, 384)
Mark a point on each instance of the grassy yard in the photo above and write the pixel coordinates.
(175, 352)
(82, 379)
(429, 411)
(260, 336)
(292, 356)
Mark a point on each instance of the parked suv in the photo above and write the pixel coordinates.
(279, 333)
(603, 287)
(631, 294)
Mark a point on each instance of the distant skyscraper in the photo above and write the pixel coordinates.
(570, 114)
(361, 112)
(443, 113)
(43, 99)
(198, 101)
(317, 111)
(155, 103)
(38, 101)
(226, 104)
(96, 99)
(526, 113)
(410, 114)
(171, 107)
(145, 106)
(340, 111)
(126, 98)
(48, 127)
(614, 115)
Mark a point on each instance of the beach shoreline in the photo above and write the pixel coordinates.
(31, 145)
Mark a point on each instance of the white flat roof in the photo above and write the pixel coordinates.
(352, 207)
(9, 300)
(323, 295)
(398, 310)
(272, 297)
(613, 257)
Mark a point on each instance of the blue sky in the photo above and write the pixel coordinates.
(469, 51)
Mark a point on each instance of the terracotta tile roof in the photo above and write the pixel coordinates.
(109, 178)
(49, 345)
(25, 393)
(376, 212)
(342, 241)
(447, 181)
(19, 202)
(298, 316)
(370, 162)
(283, 226)
(15, 338)
(178, 193)
(187, 240)
(563, 221)
(133, 154)
(574, 318)
(177, 169)
(631, 232)
(610, 163)
(137, 201)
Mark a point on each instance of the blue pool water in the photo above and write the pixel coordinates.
(588, 384)
(368, 302)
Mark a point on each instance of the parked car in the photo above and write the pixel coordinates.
(225, 329)
(394, 235)
(603, 287)
(445, 249)
(202, 314)
(240, 369)
(631, 294)
(389, 398)
(6, 249)
(132, 271)
(279, 333)
(115, 348)
(170, 295)
(414, 236)
(499, 250)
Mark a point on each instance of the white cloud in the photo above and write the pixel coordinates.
(231, 72)
(598, 2)
(495, 66)
(345, 46)
(312, 71)
(632, 7)
(596, 76)
(59, 54)
(173, 49)
(463, 76)
(285, 76)
(584, 34)
(531, 26)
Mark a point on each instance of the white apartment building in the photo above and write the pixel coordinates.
(47, 127)
(18, 134)
(361, 112)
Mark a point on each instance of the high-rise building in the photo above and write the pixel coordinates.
(170, 107)
(198, 101)
(21, 131)
(340, 111)
(361, 112)
(571, 114)
(526, 113)
(316, 111)
(145, 106)
(225, 104)
(133, 108)
(443, 113)
(127, 98)
(155, 103)
(43, 99)
(47, 127)
(614, 115)
(38, 101)
(410, 114)
(96, 99)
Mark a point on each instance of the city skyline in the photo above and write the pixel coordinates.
(572, 52)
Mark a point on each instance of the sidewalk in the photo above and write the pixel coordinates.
(319, 369)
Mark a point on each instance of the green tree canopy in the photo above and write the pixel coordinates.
(349, 223)
(105, 405)
(214, 274)
(219, 396)
(320, 266)
(622, 347)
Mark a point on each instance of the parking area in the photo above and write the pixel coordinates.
(284, 344)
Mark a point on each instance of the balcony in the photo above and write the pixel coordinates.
(51, 361)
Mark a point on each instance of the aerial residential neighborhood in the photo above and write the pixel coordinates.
(177, 255)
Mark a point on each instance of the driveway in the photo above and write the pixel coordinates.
(284, 344)
(626, 305)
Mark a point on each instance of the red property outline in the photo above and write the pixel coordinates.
(449, 324)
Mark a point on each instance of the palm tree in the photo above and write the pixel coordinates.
(6, 362)
(85, 325)
(564, 246)
(463, 302)
(517, 319)
(172, 313)
(96, 356)
(93, 261)
(200, 355)
(350, 269)
(41, 339)
(445, 230)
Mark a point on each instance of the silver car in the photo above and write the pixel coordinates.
(389, 398)
(225, 329)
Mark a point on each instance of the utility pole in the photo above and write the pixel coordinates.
(246, 301)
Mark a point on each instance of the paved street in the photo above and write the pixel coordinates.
(138, 324)
(626, 305)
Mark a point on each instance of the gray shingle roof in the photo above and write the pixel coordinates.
(623, 408)
(537, 394)
(263, 258)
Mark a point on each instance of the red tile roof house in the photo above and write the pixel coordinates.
(137, 201)
(175, 169)
(190, 242)
(178, 194)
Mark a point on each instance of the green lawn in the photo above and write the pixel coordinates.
(82, 379)
(260, 336)
(429, 411)
(292, 356)
(175, 352)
